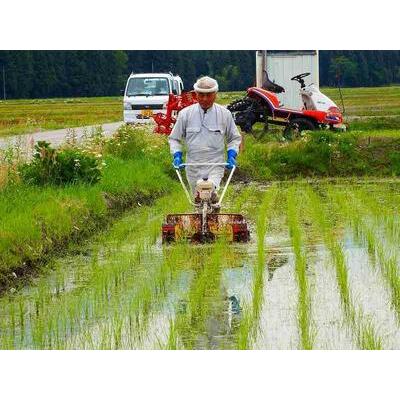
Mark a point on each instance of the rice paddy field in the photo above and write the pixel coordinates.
(366, 108)
(35, 115)
(321, 272)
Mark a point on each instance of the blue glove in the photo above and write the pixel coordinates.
(178, 160)
(231, 159)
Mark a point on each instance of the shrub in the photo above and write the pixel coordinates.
(129, 142)
(60, 167)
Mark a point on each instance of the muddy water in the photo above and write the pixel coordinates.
(125, 290)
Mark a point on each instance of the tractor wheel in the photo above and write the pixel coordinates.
(245, 112)
(296, 126)
(243, 104)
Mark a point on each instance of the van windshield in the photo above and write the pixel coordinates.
(148, 87)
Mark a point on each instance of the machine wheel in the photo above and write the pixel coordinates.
(245, 112)
(296, 126)
(241, 105)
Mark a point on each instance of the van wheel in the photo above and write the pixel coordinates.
(296, 126)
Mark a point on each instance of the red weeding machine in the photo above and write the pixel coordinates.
(206, 224)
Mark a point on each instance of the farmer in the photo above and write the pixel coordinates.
(204, 127)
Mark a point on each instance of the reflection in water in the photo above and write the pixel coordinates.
(210, 315)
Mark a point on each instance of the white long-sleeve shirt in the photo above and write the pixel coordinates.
(201, 130)
(206, 135)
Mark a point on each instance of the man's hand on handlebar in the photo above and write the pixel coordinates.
(231, 159)
(178, 161)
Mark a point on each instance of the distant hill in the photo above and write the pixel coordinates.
(39, 74)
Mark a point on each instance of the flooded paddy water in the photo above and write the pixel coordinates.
(321, 272)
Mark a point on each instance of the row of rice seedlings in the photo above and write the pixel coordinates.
(364, 331)
(250, 321)
(304, 300)
(355, 208)
(383, 208)
(151, 287)
(156, 290)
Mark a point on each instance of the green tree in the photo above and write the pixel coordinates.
(344, 71)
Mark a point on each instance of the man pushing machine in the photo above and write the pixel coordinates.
(206, 128)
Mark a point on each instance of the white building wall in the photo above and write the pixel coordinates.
(282, 67)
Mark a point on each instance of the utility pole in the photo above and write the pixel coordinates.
(4, 83)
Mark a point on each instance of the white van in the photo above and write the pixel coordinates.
(147, 94)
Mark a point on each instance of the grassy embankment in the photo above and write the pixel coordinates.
(322, 154)
(37, 221)
(370, 148)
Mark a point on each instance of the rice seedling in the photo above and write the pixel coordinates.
(249, 324)
(304, 300)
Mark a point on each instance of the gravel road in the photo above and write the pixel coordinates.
(55, 137)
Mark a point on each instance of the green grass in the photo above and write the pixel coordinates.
(367, 101)
(28, 116)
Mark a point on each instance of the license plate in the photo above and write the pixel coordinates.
(147, 113)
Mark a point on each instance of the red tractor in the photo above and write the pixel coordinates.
(262, 105)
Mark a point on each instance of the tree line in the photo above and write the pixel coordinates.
(40, 74)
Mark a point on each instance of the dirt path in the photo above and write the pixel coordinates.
(55, 137)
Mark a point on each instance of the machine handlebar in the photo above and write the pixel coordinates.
(203, 164)
(200, 164)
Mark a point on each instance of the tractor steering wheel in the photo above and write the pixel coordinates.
(300, 76)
